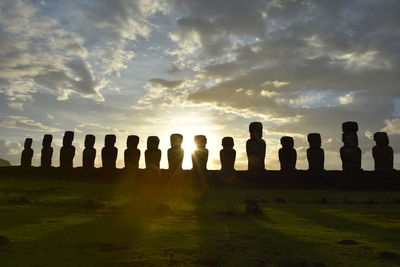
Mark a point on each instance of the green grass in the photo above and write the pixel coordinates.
(51, 223)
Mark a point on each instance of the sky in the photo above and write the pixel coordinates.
(155, 67)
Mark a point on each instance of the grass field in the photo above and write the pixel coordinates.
(61, 223)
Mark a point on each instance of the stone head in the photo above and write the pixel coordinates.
(176, 140)
(109, 140)
(227, 142)
(89, 140)
(314, 139)
(350, 127)
(132, 141)
(47, 139)
(28, 143)
(381, 139)
(68, 138)
(256, 130)
(287, 142)
(153, 142)
(200, 141)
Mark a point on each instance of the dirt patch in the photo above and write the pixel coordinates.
(280, 200)
(45, 190)
(4, 241)
(226, 213)
(106, 247)
(348, 242)
(205, 262)
(302, 264)
(18, 201)
(388, 255)
(91, 204)
(162, 207)
(252, 207)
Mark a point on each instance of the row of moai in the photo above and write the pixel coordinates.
(350, 153)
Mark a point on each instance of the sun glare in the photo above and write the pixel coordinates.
(190, 125)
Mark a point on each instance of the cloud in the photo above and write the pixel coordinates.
(94, 127)
(392, 126)
(123, 19)
(19, 122)
(79, 50)
(10, 151)
(217, 23)
(38, 52)
(16, 105)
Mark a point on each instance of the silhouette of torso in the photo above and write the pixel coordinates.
(287, 158)
(131, 158)
(88, 157)
(351, 158)
(109, 156)
(26, 157)
(383, 158)
(199, 160)
(152, 158)
(67, 154)
(227, 158)
(255, 149)
(46, 155)
(175, 158)
(316, 158)
(350, 153)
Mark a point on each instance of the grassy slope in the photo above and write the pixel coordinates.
(50, 223)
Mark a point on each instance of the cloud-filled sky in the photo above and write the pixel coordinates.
(155, 67)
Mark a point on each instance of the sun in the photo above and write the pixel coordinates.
(190, 125)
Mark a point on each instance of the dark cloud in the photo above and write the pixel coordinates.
(165, 83)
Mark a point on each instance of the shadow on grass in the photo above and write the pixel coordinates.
(229, 237)
(371, 232)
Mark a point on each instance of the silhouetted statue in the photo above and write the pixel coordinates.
(287, 154)
(315, 154)
(132, 153)
(255, 147)
(27, 153)
(152, 155)
(350, 153)
(382, 152)
(109, 152)
(67, 151)
(89, 153)
(200, 156)
(175, 153)
(47, 151)
(227, 155)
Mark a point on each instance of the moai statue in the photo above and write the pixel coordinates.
(350, 153)
(89, 153)
(27, 153)
(382, 152)
(47, 151)
(152, 155)
(200, 155)
(109, 152)
(132, 153)
(175, 153)
(255, 147)
(67, 151)
(315, 154)
(227, 155)
(287, 154)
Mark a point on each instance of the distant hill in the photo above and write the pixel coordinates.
(4, 163)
